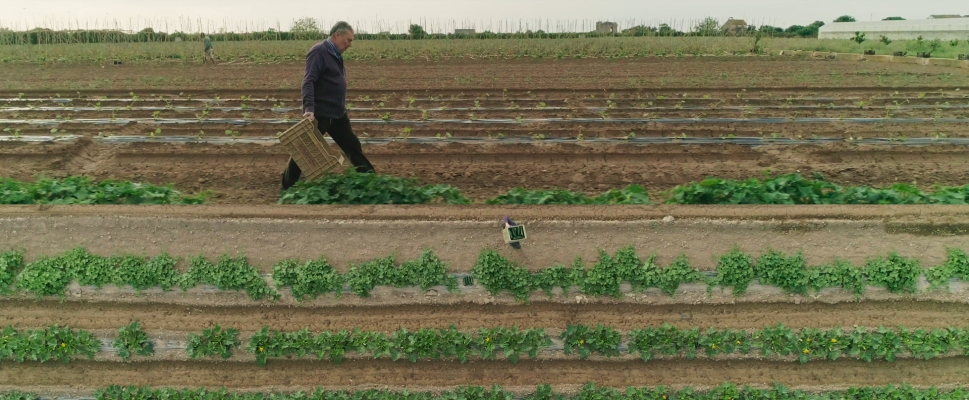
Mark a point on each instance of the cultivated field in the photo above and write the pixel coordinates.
(867, 295)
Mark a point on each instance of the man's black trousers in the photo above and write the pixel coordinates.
(341, 132)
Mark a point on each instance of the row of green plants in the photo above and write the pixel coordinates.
(736, 270)
(589, 391)
(357, 188)
(808, 344)
(50, 276)
(423, 344)
(777, 341)
(796, 189)
(49, 344)
(64, 344)
(82, 190)
(361, 188)
(352, 187)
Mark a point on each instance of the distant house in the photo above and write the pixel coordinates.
(945, 16)
(468, 32)
(607, 28)
(734, 26)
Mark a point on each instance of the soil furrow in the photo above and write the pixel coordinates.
(486, 171)
(94, 315)
(301, 374)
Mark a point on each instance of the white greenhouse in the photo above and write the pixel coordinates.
(928, 29)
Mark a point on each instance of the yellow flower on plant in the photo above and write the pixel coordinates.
(713, 346)
(738, 342)
(806, 351)
(582, 341)
(63, 344)
(809, 340)
(260, 349)
(834, 340)
(487, 340)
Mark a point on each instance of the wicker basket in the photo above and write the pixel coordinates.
(311, 152)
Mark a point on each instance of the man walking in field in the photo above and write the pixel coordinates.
(324, 99)
(208, 50)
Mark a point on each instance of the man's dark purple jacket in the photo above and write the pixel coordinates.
(325, 82)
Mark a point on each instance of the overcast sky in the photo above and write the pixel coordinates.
(442, 15)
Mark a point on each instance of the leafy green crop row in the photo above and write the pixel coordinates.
(49, 276)
(317, 277)
(353, 187)
(356, 188)
(53, 343)
(432, 344)
(807, 344)
(795, 189)
(735, 269)
(543, 392)
(422, 344)
(81, 190)
(632, 194)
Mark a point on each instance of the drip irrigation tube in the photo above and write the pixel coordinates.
(271, 140)
(440, 109)
(291, 121)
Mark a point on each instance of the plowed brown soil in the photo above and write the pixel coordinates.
(687, 72)
(346, 242)
(303, 374)
(250, 173)
(93, 316)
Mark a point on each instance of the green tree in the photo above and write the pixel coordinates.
(845, 18)
(305, 25)
(708, 27)
(417, 31)
(894, 19)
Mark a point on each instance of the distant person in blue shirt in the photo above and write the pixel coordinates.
(325, 99)
(208, 50)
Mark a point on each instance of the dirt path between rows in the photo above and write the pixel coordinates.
(625, 317)
(458, 243)
(250, 173)
(288, 375)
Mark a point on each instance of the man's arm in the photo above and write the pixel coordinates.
(314, 66)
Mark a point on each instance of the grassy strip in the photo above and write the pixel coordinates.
(517, 48)
(81, 190)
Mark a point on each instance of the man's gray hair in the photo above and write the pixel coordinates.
(340, 28)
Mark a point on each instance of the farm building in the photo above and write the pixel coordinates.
(928, 29)
(607, 27)
(734, 26)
